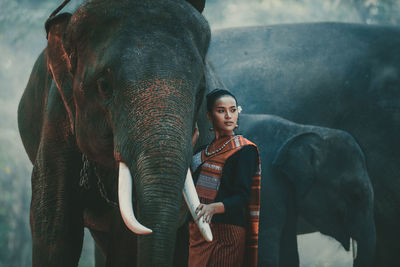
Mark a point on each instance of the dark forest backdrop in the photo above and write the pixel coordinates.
(22, 37)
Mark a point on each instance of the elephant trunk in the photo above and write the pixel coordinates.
(126, 207)
(154, 140)
(366, 243)
(159, 201)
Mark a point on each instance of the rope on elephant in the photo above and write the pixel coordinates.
(84, 180)
(84, 177)
(59, 8)
(103, 191)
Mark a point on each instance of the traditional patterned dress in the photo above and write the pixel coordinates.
(231, 176)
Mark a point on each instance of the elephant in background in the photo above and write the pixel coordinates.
(313, 179)
(337, 75)
(114, 87)
(316, 173)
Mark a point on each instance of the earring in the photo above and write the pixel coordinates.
(237, 126)
(211, 129)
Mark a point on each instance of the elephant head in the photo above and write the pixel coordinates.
(333, 191)
(131, 78)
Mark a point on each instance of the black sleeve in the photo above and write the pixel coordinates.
(239, 173)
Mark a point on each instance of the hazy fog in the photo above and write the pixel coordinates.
(22, 37)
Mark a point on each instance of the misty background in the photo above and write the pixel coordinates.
(23, 37)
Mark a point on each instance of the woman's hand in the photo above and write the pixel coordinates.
(207, 211)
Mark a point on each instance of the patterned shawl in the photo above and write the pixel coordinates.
(210, 178)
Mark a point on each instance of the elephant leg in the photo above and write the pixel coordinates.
(289, 255)
(98, 257)
(277, 230)
(121, 247)
(100, 247)
(56, 216)
(273, 214)
(268, 248)
(181, 255)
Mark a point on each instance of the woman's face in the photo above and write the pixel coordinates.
(224, 115)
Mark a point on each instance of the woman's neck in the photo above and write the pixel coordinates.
(219, 135)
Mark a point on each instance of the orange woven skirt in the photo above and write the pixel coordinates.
(226, 250)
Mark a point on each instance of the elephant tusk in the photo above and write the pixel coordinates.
(125, 201)
(192, 200)
(354, 248)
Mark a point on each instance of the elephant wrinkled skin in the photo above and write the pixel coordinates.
(316, 173)
(113, 85)
(337, 75)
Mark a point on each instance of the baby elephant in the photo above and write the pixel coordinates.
(316, 173)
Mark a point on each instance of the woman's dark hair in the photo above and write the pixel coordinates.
(216, 94)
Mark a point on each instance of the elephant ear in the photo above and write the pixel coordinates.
(198, 4)
(299, 158)
(58, 61)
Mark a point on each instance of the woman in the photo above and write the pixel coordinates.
(227, 177)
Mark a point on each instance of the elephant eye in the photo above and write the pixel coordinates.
(104, 87)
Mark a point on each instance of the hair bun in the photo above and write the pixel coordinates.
(216, 94)
(217, 90)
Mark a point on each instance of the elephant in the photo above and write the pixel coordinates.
(314, 173)
(113, 98)
(313, 179)
(336, 75)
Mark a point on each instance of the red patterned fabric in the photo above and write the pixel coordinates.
(208, 183)
(226, 250)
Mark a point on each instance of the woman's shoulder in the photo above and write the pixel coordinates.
(246, 142)
(248, 150)
(245, 158)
